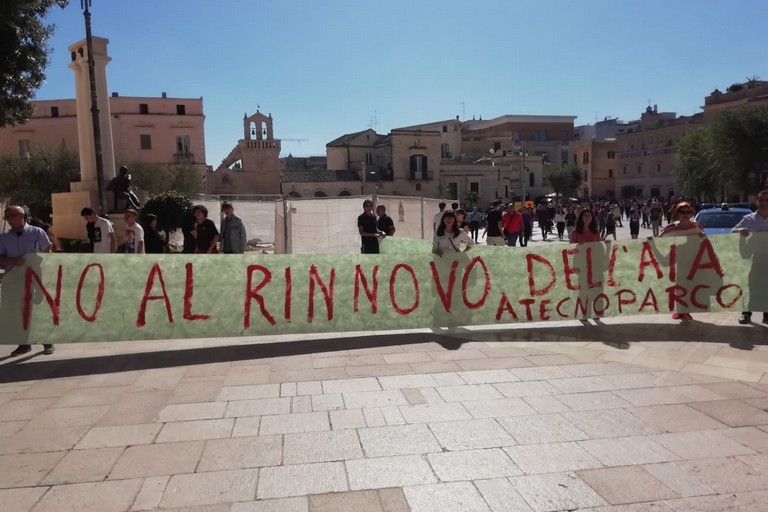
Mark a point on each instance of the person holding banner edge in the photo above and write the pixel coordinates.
(757, 222)
(20, 240)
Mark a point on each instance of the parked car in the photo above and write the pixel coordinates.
(718, 221)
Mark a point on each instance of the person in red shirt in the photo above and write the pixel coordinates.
(512, 222)
(586, 228)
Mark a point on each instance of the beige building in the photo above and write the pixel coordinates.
(253, 165)
(473, 160)
(645, 159)
(597, 161)
(753, 93)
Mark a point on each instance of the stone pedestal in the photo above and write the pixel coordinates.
(67, 222)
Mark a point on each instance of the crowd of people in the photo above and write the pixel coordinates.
(455, 230)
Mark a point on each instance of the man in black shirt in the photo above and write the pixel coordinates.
(366, 225)
(493, 225)
(384, 224)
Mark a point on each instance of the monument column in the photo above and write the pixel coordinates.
(79, 64)
(67, 205)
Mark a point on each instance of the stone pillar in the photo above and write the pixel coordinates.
(79, 64)
(67, 205)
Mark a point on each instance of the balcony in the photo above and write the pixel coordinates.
(420, 176)
(183, 158)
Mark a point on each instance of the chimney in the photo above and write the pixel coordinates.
(655, 108)
(165, 95)
(115, 95)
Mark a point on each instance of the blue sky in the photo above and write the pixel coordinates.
(328, 67)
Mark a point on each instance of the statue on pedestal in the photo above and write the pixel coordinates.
(121, 187)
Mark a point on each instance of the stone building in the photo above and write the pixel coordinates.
(253, 165)
(472, 161)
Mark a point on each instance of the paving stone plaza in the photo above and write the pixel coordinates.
(531, 417)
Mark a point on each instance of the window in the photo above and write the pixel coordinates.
(541, 135)
(496, 146)
(585, 157)
(516, 136)
(474, 187)
(145, 141)
(564, 136)
(25, 148)
(445, 128)
(658, 167)
(610, 173)
(419, 167)
(54, 111)
(183, 145)
(531, 180)
(369, 158)
(639, 168)
(611, 155)
(445, 151)
(575, 159)
(181, 110)
(453, 190)
(418, 187)
(624, 171)
(586, 175)
(143, 108)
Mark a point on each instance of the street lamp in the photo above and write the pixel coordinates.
(523, 173)
(85, 6)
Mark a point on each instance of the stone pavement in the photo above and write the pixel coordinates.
(533, 417)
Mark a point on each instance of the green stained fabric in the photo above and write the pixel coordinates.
(61, 298)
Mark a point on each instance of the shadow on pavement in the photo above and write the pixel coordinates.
(620, 335)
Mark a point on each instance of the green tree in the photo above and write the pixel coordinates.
(171, 208)
(151, 178)
(696, 170)
(564, 179)
(157, 178)
(186, 179)
(740, 139)
(24, 40)
(471, 197)
(32, 180)
(726, 156)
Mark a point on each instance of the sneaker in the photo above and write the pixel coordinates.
(21, 349)
(686, 316)
(745, 318)
(48, 349)
(676, 316)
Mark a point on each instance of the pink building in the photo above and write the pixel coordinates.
(153, 130)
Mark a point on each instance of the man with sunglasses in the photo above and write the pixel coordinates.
(756, 222)
(20, 240)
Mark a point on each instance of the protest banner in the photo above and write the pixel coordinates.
(66, 298)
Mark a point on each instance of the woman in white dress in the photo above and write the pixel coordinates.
(449, 236)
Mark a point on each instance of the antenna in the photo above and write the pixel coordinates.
(373, 121)
(463, 112)
(297, 140)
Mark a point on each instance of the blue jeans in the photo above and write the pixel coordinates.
(512, 239)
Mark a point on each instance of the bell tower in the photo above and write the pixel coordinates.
(261, 154)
